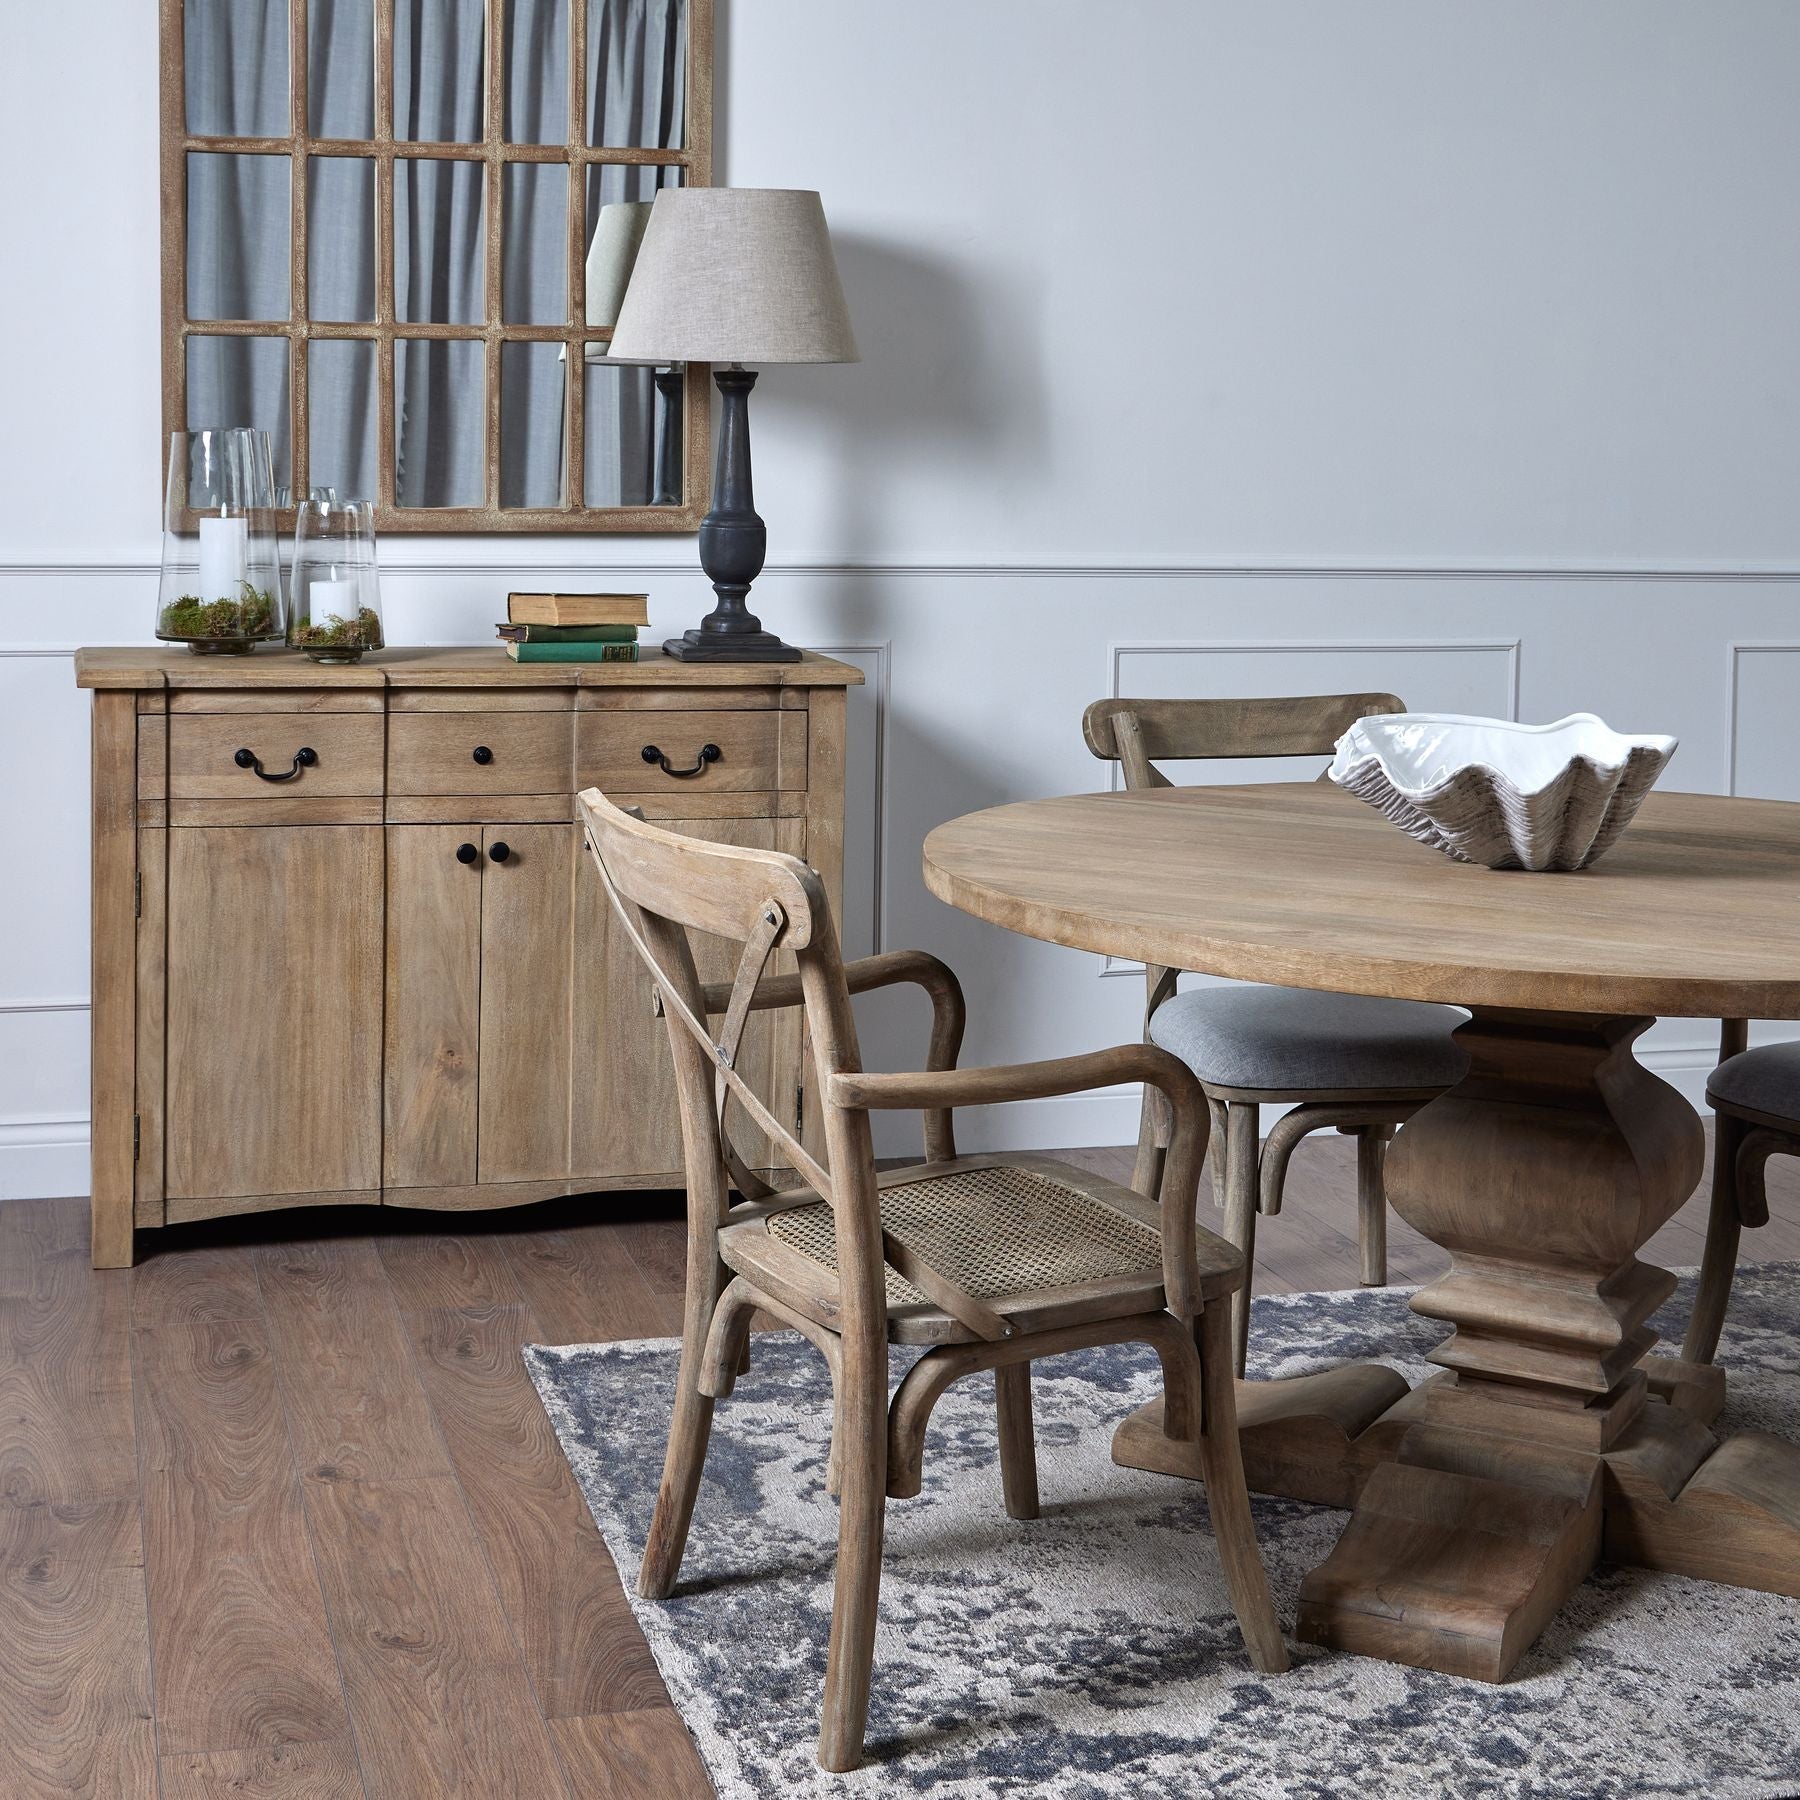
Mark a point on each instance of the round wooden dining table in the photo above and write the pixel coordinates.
(1548, 1436)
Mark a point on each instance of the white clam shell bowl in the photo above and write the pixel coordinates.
(1539, 797)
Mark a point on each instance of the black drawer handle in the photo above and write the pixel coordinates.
(499, 852)
(709, 753)
(304, 758)
(483, 754)
(466, 853)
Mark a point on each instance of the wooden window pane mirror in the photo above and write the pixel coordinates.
(379, 221)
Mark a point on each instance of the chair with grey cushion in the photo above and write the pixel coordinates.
(1755, 1097)
(1350, 1061)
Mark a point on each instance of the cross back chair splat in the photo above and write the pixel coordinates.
(1360, 1064)
(989, 1261)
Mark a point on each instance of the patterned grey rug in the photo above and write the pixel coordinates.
(1092, 1652)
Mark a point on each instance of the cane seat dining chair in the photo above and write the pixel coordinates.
(988, 1261)
(1755, 1098)
(1360, 1063)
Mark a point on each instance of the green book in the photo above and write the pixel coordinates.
(568, 634)
(573, 653)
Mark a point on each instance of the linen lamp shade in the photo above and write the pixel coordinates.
(611, 257)
(735, 275)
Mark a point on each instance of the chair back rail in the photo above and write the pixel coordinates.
(1189, 730)
(1134, 733)
(661, 886)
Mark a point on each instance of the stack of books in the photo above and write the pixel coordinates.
(574, 628)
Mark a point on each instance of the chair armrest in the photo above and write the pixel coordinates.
(889, 969)
(1191, 1124)
(1020, 1081)
(949, 1014)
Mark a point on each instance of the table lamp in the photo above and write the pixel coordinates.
(730, 276)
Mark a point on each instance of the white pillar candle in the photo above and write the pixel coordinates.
(334, 599)
(224, 558)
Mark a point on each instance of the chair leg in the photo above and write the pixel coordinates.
(834, 1465)
(861, 1435)
(1228, 1499)
(1718, 1262)
(1152, 1145)
(1242, 1136)
(1215, 1157)
(1371, 1203)
(689, 1429)
(1018, 1441)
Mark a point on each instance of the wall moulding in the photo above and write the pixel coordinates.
(50, 563)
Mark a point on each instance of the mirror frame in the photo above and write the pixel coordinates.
(694, 160)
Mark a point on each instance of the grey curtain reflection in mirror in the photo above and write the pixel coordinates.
(340, 68)
(637, 57)
(236, 68)
(440, 63)
(340, 431)
(239, 228)
(246, 382)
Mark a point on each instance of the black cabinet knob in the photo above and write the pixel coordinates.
(499, 852)
(483, 754)
(466, 853)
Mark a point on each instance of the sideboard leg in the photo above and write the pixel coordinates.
(114, 1015)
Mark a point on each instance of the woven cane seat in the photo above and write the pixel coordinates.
(1041, 1242)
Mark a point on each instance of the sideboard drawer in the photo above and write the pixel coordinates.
(215, 756)
(726, 752)
(479, 752)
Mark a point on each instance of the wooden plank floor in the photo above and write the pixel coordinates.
(280, 1513)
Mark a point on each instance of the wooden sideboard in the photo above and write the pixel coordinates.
(386, 975)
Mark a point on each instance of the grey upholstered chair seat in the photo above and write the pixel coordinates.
(1293, 1039)
(1766, 1080)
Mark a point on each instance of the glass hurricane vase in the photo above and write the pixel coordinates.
(221, 562)
(336, 610)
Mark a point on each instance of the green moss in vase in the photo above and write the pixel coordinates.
(337, 640)
(361, 633)
(245, 619)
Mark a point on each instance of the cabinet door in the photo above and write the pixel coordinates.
(623, 1115)
(274, 1011)
(433, 1005)
(525, 949)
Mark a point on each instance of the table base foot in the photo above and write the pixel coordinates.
(1697, 1389)
(1311, 1437)
(1448, 1569)
(1729, 1514)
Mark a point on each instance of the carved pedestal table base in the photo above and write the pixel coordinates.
(1549, 1437)
(1484, 1496)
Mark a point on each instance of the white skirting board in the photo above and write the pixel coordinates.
(44, 1158)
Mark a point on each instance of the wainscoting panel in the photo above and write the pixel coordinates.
(977, 675)
(1764, 724)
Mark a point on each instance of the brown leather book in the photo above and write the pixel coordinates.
(578, 609)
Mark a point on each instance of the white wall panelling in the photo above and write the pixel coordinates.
(957, 715)
(1374, 332)
(1762, 689)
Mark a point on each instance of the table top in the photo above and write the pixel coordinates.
(1695, 911)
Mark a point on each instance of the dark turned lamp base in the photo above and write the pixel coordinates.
(700, 645)
(733, 542)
